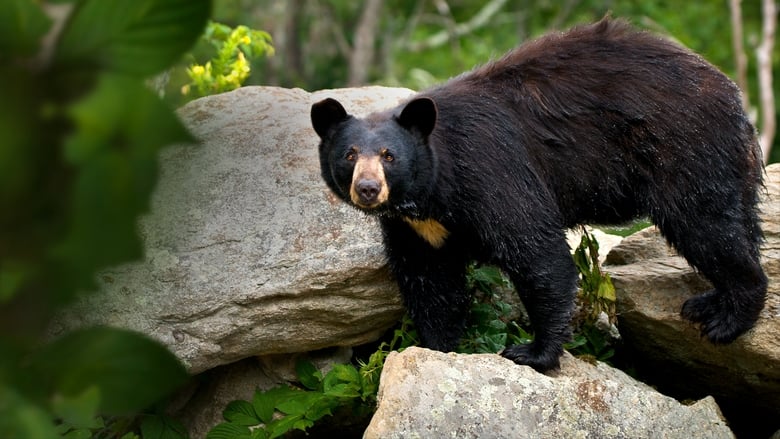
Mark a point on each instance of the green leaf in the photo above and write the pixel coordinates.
(19, 418)
(308, 375)
(343, 390)
(78, 411)
(345, 372)
(121, 114)
(342, 381)
(264, 407)
(265, 402)
(162, 427)
(130, 370)
(242, 413)
(578, 341)
(217, 31)
(288, 423)
(12, 277)
(488, 275)
(22, 25)
(138, 37)
(607, 289)
(321, 408)
(580, 258)
(82, 433)
(118, 130)
(228, 430)
(299, 403)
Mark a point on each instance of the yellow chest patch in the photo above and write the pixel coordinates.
(429, 230)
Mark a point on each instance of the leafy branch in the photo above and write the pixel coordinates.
(231, 65)
(81, 134)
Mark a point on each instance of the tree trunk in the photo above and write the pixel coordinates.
(764, 56)
(740, 56)
(293, 52)
(363, 49)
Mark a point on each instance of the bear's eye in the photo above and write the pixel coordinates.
(351, 155)
(387, 156)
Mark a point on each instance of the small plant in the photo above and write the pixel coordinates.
(596, 300)
(491, 328)
(75, 425)
(403, 337)
(597, 294)
(274, 412)
(231, 65)
(280, 410)
(592, 344)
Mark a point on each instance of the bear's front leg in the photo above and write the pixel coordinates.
(437, 304)
(546, 279)
(432, 283)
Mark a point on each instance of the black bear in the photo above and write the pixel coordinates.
(601, 124)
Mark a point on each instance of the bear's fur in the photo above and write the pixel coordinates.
(600, 124)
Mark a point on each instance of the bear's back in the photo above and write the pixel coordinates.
(600, 107)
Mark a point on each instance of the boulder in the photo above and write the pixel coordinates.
(652, 283)
(246, 250)
(425, 394)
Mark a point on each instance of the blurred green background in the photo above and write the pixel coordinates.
(314, 40)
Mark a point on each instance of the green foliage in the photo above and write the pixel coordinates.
(75, 424)
(135, 37)
(230, 67)
(491, 328)
(298, 408)
(108, 363)
(22, 25)
(596, 302)
(160, 427)
(592, 344)
(403, 337)
(345, 388)
(280, 410)
(596, 294)
(81, 135)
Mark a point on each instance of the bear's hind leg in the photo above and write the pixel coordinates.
(726, 252)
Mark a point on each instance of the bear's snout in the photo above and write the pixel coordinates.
(369, 188)
(368, 191)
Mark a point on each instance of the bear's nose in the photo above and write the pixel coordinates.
(368, 190)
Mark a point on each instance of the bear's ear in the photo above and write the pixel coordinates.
(325, 114)
(419, 114)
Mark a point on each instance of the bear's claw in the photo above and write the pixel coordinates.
(720, 322)
(526, 355)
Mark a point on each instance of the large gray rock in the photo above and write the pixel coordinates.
(246, 250)
(652, 283)
(427, 394)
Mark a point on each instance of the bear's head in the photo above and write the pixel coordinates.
(380, 163)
